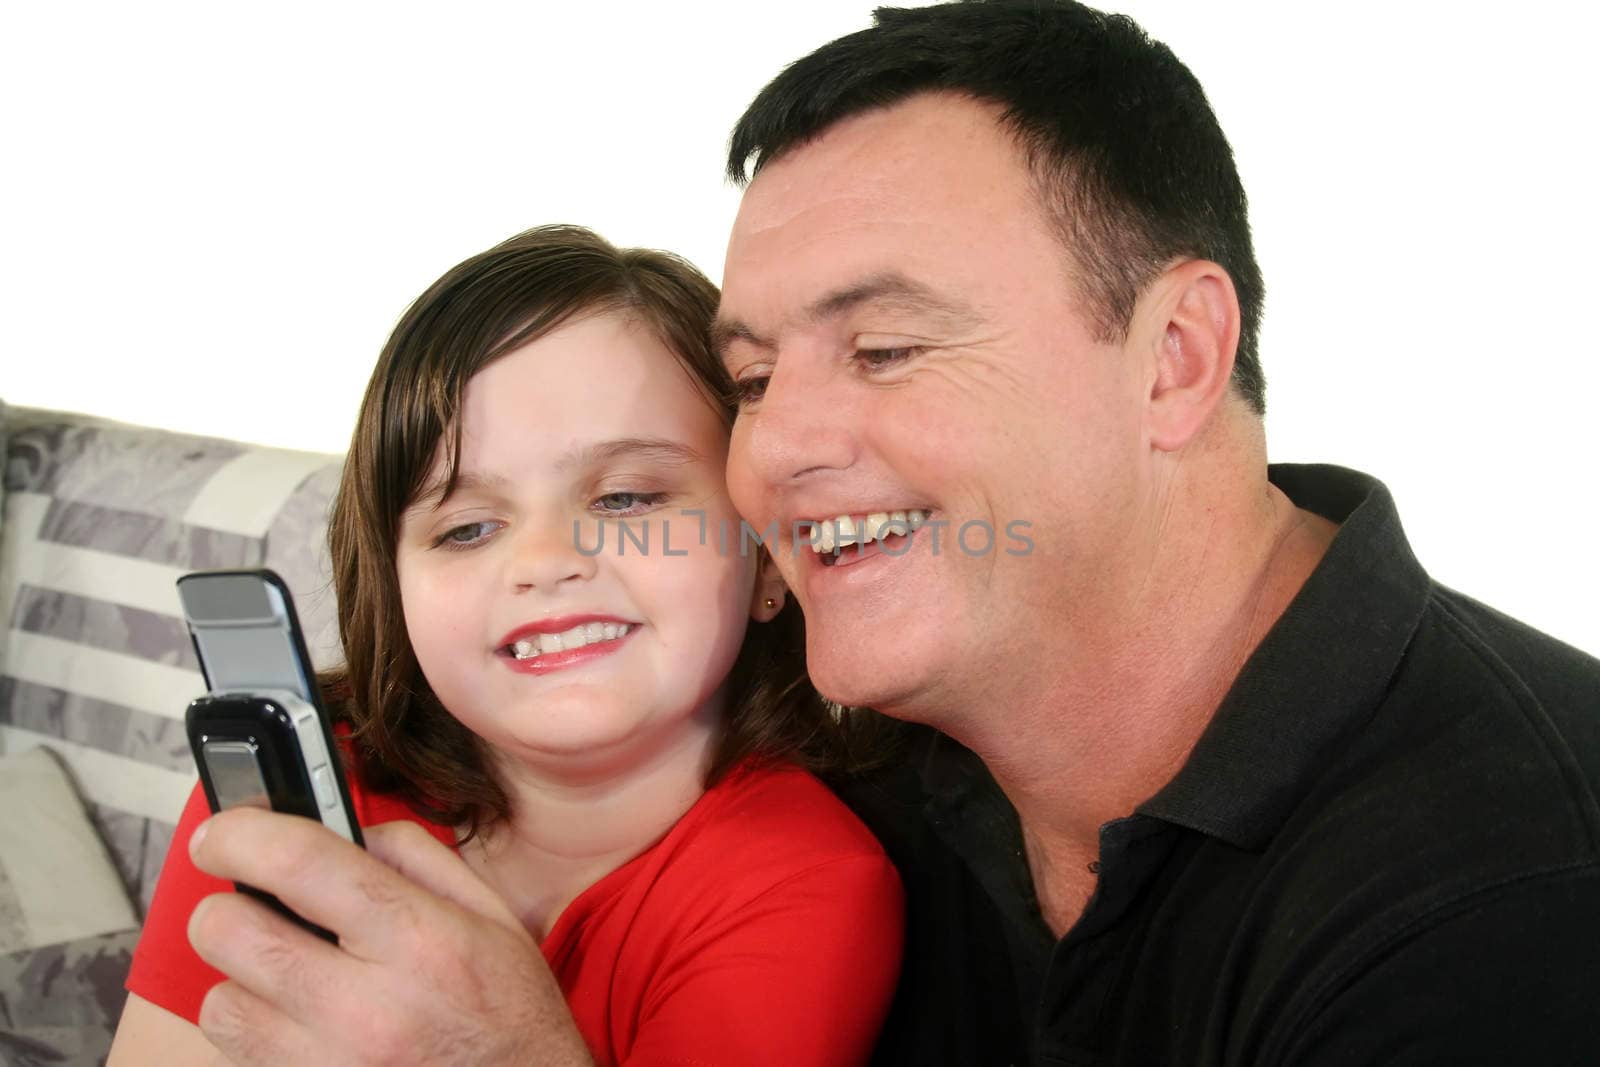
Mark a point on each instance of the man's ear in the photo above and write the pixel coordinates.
(1188, 324)
(767, 599)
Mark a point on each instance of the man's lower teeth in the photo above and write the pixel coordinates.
(831, 556)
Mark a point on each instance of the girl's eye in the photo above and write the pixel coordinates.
(466, 535)
(878, 358)
(627, 503)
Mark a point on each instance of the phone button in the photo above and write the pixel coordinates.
(322, 782)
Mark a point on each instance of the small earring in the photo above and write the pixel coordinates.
(771, 603)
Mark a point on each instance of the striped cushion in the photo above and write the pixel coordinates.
(99, 521)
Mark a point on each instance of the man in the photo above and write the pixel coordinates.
(994, 264)
(1207, 771)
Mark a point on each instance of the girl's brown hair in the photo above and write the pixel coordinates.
(491, 304)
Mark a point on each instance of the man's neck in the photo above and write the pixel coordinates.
(1110, 712)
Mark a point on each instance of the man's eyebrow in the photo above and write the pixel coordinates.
(889, 289)
(725, 331)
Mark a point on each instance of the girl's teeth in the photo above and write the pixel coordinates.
(589, 633)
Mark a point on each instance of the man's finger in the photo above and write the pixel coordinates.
(369, 899)
(276, 960)
(424, 861)
(318, 874)
(249, 1031)
(435, 970)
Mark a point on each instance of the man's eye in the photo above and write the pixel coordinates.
(465, 535)
(627, 503)
(878, 358)
(753, 388)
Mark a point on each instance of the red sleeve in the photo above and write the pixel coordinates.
(802, 975)
(166, 971)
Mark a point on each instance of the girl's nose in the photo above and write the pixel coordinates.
(547, 554)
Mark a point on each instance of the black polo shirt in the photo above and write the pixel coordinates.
(1385, 848)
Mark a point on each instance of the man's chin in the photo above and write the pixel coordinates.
(860, 680)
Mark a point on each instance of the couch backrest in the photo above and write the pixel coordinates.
(99, 521)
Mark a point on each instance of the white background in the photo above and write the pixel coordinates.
(213, 213)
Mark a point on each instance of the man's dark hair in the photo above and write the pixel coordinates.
(1127, 155)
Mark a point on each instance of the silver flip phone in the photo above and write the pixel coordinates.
(260, 735)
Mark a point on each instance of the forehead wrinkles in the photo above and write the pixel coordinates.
(927, 145)
(938, 161)
(953, 281)
(780, 220)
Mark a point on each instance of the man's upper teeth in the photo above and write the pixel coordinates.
(587, 633)
(847, 530)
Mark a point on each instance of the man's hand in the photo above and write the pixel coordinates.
(431, 967)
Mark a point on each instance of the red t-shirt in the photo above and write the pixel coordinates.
(765, 926)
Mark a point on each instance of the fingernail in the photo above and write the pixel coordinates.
(198, 836)
(194, 921)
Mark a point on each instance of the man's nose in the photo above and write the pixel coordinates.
(551, 552)
(804, 423)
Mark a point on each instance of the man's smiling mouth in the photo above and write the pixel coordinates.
(831, 538)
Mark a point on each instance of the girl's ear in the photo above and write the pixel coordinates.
(767, 599)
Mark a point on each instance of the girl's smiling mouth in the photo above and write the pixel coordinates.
(554, 643)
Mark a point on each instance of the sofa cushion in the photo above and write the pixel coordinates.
(2, 504)
(100, 520)
(60, 1004)
(67, 929)
(56, 880)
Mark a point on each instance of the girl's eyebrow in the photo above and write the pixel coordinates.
(433, 494)
(657, 449)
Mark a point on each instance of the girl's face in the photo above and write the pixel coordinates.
(591, 435)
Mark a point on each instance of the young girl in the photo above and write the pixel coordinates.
(549, 666)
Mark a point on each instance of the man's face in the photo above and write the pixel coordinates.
(898, 311)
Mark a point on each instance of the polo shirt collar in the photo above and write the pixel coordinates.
(1319, 673)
